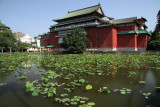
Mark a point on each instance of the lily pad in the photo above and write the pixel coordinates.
(82, 81)
(3, 84)
(88, 87)
(91, 104)
(35, 92)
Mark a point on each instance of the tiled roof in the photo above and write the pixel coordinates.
(3, 25)
(133, 31)
(80, 12)
(126, 20)
(75, 21)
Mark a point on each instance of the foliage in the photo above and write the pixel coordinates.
(22, 45)
(75, 41)
(7, 41)
(104, 90)
(60, 75)
(154, 45)
(154, 42)
(88, 87)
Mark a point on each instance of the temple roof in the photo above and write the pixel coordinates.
(84, 11)
(126, 20)
(3, 25)
(76, 21)
(133, 31)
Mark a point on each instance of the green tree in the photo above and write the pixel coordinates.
(35, 38)
(154, 42)
(75, 41)
(1, 47)
(22, 46)
(7, 41)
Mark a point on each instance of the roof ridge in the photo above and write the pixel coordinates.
(84, 8)
(127, 18)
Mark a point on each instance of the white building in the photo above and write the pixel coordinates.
(26, 39)
(23, 37)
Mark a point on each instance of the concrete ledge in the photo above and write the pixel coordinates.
(127, 49)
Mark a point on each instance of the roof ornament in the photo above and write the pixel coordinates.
(99, 4)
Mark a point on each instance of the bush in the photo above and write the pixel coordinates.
(154, 45)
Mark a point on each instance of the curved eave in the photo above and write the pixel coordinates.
(74, 22)
(57, 20)
(134, 32)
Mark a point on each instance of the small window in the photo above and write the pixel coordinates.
(60, 40)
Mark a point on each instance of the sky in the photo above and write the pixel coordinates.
(34, 17)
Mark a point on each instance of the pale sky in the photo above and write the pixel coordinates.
(34, 17)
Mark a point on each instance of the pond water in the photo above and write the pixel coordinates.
(138, 90)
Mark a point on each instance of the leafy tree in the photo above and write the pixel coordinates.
(154, 42)
(35, 38)
(1, 47)
(75, 41)
(7, 40)
(22, 46)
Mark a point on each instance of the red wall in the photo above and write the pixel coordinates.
(126, 28)
(44, 42)
(53, 40)
(106, 37)
(127, 41)
(142, 40)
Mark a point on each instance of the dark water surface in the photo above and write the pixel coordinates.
(14, 94)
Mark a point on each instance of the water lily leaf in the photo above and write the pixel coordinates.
(64, 95)
(142, 82)
(123, 92)
(64, 100)
(23, 77)
(58, 100)
(91, 104)
(128, 90)
(82, 102)
(88, 87)
(3, 84)
(82, 81)
(35, 92)
(50, 94)
(74, 103)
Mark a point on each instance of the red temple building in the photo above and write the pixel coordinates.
(104, 33)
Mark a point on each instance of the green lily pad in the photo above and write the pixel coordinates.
(74, 103)
(91, 104)
(123, 92)
(82, 102)
(82, 81)
(35, 92)
(3, 84)
(88, 87)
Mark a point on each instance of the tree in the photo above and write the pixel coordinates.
(154, 42)
(1, 47)
(35, 38)
(75, 41)
(22, 46)
(7, 40)
(156, 32)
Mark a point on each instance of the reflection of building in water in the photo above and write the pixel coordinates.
(26, 65)
(22, 37)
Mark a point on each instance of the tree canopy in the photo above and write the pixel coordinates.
(9, 43)
(7, 40)
(75, 41)
(154, 42)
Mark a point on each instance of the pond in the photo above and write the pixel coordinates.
(31, 80)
